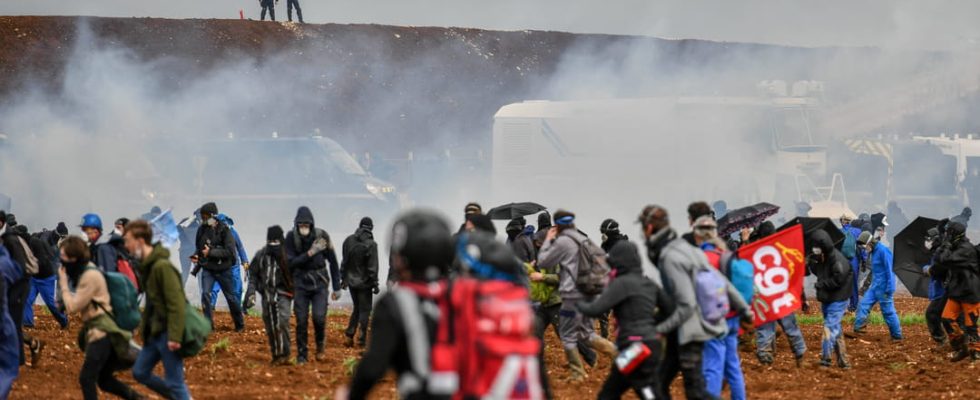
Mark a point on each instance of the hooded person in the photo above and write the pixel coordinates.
(520, 244)
(544, 223)
(636, 302)
(404, 323)
(958, 261)
(308, 251)
(609, 229)
(882, 288)
(963, 217)
(849, 226)
(217, 256)
(470, 209)
(835, 282)
(270, 277)
(359, 274)
(685, 329)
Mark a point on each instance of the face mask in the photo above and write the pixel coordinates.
(928, 244)
(274, 243)
(212, 222)
(304, 231)
(605, 238)
(138, 254)
(816, 251)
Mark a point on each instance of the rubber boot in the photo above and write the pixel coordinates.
(604, 346)
(960, 352)
(576, 365)
(841, 351)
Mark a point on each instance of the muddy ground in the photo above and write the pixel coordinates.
(882, 369)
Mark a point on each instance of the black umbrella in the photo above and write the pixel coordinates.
(911, 255)
(745, 217)
(515, 210)
(811, 225)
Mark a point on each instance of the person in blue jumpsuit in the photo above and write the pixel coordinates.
(882, 288)
(236, 271)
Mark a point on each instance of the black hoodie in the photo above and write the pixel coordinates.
(957, 259)
(310, 272)
(835, 280)
(360, 260)
(634, 299)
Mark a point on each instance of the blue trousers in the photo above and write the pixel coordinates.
(856, 286)
(236, 272)
(721, 362)
(765, 335)
(173, 385)
(226, 280)
(886, 303)
(832, 315)
(45, 288)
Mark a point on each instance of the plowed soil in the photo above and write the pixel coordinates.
(881, 369)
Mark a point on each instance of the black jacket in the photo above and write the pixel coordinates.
(310, 273)
(389, 347)
(835, 280)
(611, 241)
(523, 247)
(359, 268)
(222, 255)
(268, 276)
(634, 299)
(959, 262)
(12, 243)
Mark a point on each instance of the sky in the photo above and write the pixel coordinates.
(933, 24)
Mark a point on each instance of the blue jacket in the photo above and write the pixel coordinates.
(882, 275)
(10, 273)
(936, 289)
(239, 247)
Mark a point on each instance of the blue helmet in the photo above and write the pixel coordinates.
(91, 220)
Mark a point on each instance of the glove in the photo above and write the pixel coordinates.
(377, 289)
(318, 246)
(249, 301)
(196, 270)
(746, 323)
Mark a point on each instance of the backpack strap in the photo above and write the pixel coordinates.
(410, 309)
(97, 304)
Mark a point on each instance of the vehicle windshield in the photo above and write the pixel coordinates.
(341, 158)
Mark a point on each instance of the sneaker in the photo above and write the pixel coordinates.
(301, 361)
(765, 359)
(844, 365)
(825, 362)
(799, 362)
(37, 347)
(321, 355)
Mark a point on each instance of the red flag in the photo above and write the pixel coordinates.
(780, 264)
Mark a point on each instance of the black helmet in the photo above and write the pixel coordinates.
(486, 258)
(424, 242)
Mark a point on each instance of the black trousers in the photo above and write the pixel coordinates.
(643, 379)
(97, 369)
(934, 319)
(361, 316)
(268, 5)
(17, 301)
(289, 10)
(685, 360)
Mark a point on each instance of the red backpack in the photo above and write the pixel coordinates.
(485, 344)
(125, 267)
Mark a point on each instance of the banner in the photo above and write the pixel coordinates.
(780, 264)
(165, 229)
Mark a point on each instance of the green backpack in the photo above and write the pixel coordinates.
(122, 297)
(196, 331)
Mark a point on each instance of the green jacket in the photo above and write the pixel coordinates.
(165, 300)
(546, 291)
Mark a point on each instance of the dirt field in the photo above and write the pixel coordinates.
(882, 369)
